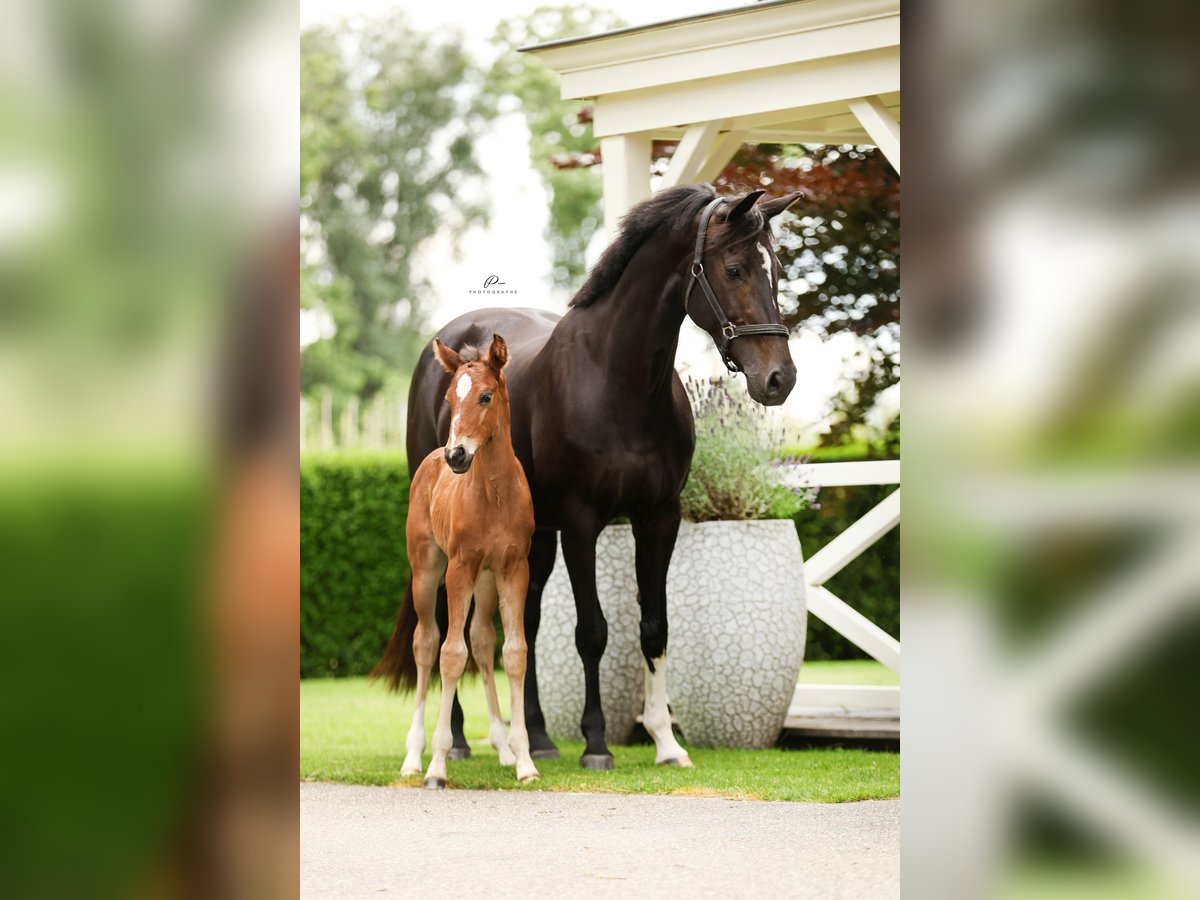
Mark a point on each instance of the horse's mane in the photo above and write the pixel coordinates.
(668, 210)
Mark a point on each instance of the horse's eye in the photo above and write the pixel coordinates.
(733, 272)
(485, 398)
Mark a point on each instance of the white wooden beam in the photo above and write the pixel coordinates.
(881, 125)
(854, 626)
(846, 547)
(845, 474)
(723, 150)
(789, 87)
(690, 155)
(847, 696)
(626, 173)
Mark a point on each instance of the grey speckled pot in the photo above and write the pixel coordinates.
(737, 617)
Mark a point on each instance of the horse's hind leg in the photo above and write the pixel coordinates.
(460, 580)
(426, 576)
(542, 553)
(655, 539)
(483, 648)
(513, 584)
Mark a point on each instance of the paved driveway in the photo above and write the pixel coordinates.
(406, 842)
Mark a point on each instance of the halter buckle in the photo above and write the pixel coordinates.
(730, 331)
(697, 269)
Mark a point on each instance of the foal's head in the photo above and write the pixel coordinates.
(478, 399)
(741, 265)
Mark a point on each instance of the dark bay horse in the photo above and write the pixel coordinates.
(603, 426)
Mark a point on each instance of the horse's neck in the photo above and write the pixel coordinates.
(494, 463)
(634, 329)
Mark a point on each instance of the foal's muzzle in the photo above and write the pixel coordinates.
(458, 459)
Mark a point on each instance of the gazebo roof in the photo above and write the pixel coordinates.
(786, 70)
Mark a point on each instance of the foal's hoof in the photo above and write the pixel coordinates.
(409, 773)
(682, 761)
(529, 779)
(597, 761)
(458, 753)
(435, 784)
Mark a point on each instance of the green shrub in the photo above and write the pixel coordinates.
(353, 562)
(733, 473)
(354, 568)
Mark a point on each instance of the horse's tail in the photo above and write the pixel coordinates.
(398, 666)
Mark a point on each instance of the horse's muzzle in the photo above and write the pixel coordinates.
(458, 459)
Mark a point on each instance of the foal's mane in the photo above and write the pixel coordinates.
(674, 209)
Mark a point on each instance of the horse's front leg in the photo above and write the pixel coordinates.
(541, 563)
(460, 749)
(655, 535)
(461, 576)
(591, 637)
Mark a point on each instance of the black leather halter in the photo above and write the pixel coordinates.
(729, 331)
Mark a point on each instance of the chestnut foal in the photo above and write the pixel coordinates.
(470, 521)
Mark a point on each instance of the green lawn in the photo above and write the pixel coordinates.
(849, 671)
(353, 731)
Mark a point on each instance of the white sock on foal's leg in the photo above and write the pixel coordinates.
(414, 744)
(657, 718)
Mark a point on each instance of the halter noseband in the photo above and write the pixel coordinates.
(729, 331)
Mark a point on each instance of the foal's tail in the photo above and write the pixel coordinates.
(398, 666)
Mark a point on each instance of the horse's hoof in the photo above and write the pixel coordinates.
(596, 761)
(459, 753)
(541, 747)
(529, 779)
(681, 761)
(435, 784)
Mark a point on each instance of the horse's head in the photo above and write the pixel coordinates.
(478, 398)
(741, 268)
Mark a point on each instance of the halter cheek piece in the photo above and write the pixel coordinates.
(729, 331)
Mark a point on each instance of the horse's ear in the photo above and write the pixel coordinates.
(450, 360)
(773, 207)
(744, 205)
(497, 354)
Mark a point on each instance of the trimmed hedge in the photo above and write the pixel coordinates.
(354, 567)
(353, 560)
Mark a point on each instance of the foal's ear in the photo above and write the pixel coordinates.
(744, 205)
(773, 207)
(497, 354)
(450, 360)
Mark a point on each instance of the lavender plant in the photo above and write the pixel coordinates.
(736, 473)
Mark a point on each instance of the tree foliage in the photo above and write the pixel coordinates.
(388, 117)
(561, 145)
(840, 249)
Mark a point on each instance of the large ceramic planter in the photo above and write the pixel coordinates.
(735, 597)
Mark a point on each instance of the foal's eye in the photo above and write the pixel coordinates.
(733, 271)
(485, 398)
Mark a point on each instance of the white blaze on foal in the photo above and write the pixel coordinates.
(657, 718)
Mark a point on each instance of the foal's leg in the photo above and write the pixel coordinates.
(427, 574)
(591, 636)
(483, 648)
(541, 563)
(513, 583)
(460, 579)
(460, 749)
(655, 536)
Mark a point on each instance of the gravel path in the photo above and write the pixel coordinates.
(407, 842)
